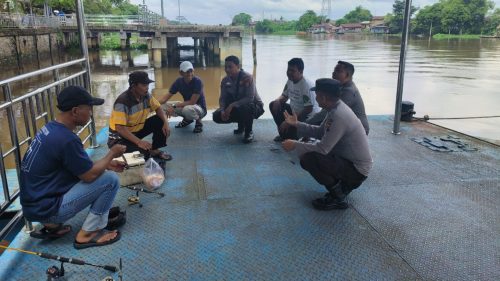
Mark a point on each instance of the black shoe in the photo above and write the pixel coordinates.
(329, 202)
(278, 138)
(238, 131)
(248, 138)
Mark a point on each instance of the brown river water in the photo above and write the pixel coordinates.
(443, 78)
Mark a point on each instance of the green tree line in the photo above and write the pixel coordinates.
(446, 16)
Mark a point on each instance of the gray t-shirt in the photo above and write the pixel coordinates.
(341, 133)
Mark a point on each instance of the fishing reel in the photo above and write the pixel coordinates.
(54, 272)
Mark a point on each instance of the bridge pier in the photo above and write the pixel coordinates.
(125, 40)
(159, 46)
(230, 46)
(173, 56)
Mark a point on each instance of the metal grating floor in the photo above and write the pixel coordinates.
(242, 212)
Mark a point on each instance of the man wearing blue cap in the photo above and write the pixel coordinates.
(341, 159)
(58, 179)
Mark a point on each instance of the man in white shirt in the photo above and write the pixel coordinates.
(302, 100)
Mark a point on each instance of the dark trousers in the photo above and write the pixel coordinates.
(329, 170)
(290, 132)
(152, 125)
(243, 115)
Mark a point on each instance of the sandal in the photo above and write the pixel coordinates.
(162, 155)
(51, 233)
(184, 123)
(93, 242)
(198, 128)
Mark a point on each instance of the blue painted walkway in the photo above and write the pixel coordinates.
(242, 212)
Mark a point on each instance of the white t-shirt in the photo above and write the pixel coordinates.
(300, 95)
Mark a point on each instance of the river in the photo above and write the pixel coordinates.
(444, 78)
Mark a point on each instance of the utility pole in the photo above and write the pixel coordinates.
(162, 13)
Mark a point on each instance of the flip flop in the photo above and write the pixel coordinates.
(162, 155)
(93, 242)
(51, 233)
(117, 221)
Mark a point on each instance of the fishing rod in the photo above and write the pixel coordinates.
(61, 259)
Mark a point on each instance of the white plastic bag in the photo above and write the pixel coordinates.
(152, 174)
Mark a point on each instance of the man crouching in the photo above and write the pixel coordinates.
(341, 159)
(58, 179)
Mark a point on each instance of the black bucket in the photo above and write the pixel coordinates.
(407, 111)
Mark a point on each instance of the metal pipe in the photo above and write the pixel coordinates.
(401, 72)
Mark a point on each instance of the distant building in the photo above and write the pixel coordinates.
(379, 29)
(377, 20)
(322, 28)
(351, 28)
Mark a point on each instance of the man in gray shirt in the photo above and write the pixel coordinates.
(349, 94)
(341, 159)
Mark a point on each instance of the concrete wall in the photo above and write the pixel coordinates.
(27, 52)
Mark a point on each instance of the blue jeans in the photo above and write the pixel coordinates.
(99, 194)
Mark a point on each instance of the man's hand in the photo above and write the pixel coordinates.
(226, 113)
(142, 144)
(166, 129)
(116, 166)
(290, 119)
(288, 145)
(117, 150)
(170, 111)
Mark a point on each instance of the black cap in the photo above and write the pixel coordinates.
(139, 77)
(73, 96)
(328, 86)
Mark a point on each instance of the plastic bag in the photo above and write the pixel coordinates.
(152, 174)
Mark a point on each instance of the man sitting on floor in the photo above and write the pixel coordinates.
(58, 179)
(194, 106)
(341, 159)
(129, 122)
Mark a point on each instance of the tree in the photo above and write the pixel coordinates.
(242, 19)
(492, 23)
(395, 20)
(359, 14)
(428, 20)
(307, 20)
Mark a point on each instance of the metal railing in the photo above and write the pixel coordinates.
(34, 109)
(145, 18)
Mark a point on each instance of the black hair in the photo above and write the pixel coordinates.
(233, 59)
(298, 62)
(347, 66)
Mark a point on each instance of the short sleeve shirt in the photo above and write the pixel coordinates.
(195, 86)
(50, 167)
(129, 112)
(300, 95)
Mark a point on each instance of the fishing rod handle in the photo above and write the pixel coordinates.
(62, 259)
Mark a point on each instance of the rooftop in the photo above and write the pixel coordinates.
(242, 212)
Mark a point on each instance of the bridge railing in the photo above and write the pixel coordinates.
(28, 21)
(25, 114)
(34, 21)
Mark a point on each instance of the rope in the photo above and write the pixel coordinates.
(426, 117)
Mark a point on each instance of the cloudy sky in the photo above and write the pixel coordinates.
(222, 11)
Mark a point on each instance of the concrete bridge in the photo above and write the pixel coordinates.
(216, 41)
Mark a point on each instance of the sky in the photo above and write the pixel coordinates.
(222, 11)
